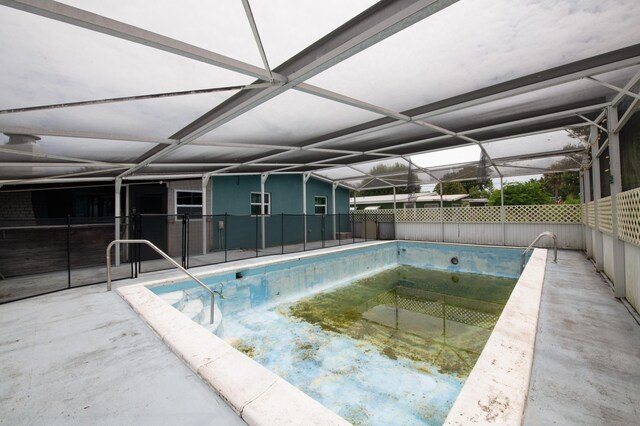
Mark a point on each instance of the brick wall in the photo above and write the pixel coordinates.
(16, 205)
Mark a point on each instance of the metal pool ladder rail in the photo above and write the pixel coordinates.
(544, 234)
(166, 256)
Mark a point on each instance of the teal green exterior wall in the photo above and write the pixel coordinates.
(231, 195)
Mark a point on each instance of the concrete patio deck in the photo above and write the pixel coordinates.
(586, 364)
(83, 356)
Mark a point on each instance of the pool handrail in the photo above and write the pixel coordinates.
(168, 258)
(543, 234)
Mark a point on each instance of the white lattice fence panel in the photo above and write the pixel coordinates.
(591, 214)
(628, 204)
(547, 213)
(472, 214)
(418, 215)
(605, 223)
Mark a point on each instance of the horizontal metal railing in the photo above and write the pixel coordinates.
(169, 259)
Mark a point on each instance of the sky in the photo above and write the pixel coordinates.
(472, 44)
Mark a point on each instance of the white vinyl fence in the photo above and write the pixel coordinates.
(513, 226)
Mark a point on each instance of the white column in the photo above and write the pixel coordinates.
(118, 209)
(205, 183)
(333, 209)
(127, 209)
(502, 213)
(619, 285)
(441, 210)
(588, 238)
(595, 167)
(394, 199)
(263, 179)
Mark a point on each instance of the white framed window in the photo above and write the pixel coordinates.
(409, 205)
(320, 204)
(255, 203)
(188, 202)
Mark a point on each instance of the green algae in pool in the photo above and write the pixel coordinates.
(392, 349)
(437, 317)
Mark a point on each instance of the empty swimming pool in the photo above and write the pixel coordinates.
(380, 335)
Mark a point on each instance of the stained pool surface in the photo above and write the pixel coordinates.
(393, 348)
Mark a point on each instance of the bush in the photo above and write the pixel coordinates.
(521, 193)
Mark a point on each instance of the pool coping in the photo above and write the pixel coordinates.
(497, 387)
(494, 393)
(257, 395)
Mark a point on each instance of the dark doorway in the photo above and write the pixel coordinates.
(148, 210)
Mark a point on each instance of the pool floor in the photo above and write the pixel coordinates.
(394, 348)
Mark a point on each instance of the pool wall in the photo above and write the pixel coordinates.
(276, 282)
(498, 261)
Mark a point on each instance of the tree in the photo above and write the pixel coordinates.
(451, 188)
(521, 193)
(394, 173)
(481, 191)
(562, 185)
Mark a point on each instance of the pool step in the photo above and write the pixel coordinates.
(175, 298)
(194, 309)
(195, 305)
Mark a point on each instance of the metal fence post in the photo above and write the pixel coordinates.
(225, 237)
(256, 235)
(282, 231)
(322, 229)
(364, 225)
(339, 234)
(187, 234)
(183, 250)
(68, 251)
(138, 248)
(304, 233)
(394, 225)
(353, 228)
(130, 251)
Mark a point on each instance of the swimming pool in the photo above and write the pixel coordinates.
(256, 318)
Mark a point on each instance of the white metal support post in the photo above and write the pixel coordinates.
(395, 222)
(205, 183)
(117, 221)
(127, 210)
(441, 210)
(333, 206)
(394, 199)
(619, 284)
(502, 213)
(263, 179)
(305, 179)
(597, 194)
(588, 239)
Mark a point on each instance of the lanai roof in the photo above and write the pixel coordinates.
(367, 94)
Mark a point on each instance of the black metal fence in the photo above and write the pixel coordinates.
(39, 256)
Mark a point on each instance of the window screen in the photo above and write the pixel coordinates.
(189, 202)
(320, 205)
(255, 203)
